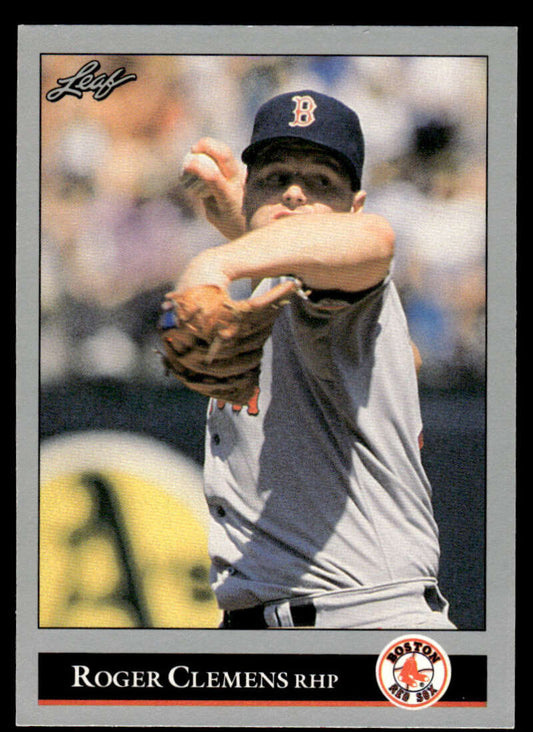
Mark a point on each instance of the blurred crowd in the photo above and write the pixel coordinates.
(116, 228)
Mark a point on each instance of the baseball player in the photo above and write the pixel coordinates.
(321, 513)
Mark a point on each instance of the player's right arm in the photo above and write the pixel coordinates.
(221, 194)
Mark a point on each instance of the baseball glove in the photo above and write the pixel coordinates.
(214, 344)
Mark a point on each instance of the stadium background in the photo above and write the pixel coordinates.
(122, 529)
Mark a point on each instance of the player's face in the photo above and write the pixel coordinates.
(296, 180)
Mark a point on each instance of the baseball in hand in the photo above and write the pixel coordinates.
(192, 182)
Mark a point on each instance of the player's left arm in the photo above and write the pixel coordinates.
(344, 251)
(350, 252)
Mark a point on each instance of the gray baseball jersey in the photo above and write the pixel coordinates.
(317, 486)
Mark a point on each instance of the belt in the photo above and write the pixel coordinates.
(253, 618)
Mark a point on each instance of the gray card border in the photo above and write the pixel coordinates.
(499, 45)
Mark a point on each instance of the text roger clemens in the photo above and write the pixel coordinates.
(183, 677)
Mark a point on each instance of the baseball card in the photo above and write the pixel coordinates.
(265, 376)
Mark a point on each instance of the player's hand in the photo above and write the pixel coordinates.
(206, 268)
(218, 187)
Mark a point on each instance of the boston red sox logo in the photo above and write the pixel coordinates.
(303, 111)
(413, 672)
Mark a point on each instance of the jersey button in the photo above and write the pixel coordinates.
(216, 439)
(220, 511)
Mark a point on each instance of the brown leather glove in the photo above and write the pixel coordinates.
(214, 344)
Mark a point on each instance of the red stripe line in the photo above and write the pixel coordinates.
(252, 703)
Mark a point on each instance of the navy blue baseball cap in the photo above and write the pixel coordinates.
(315, 117)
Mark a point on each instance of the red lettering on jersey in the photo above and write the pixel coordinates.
(303, 111)
(420, 440)
(252, 405)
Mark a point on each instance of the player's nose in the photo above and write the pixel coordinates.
(294, 196)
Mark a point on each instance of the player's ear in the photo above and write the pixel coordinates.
(358, 201)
